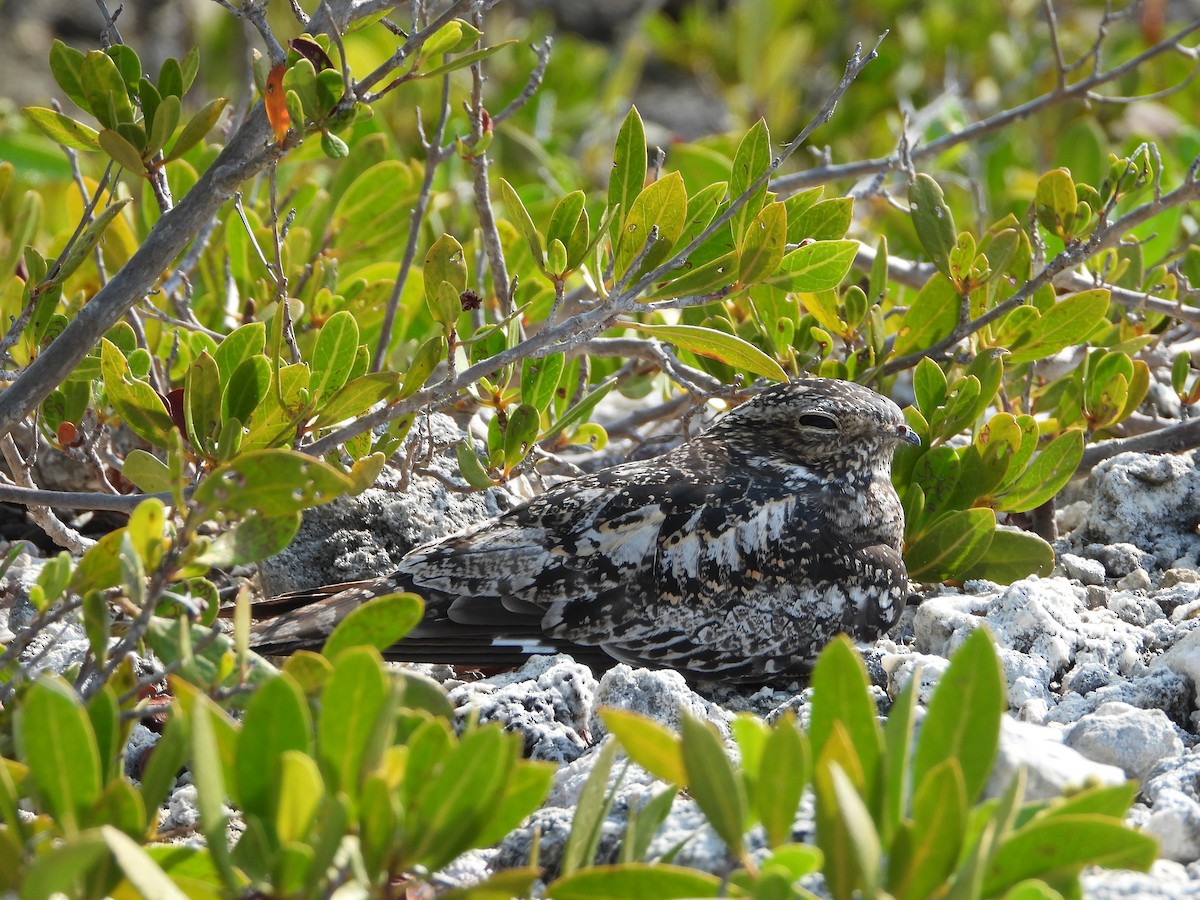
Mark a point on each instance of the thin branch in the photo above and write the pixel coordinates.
(435, 155)
(916, 274)
(1081, 90)
(55, 528)
(542, 51)
(1106, 235)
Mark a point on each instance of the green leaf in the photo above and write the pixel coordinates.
(274, 482)
(357, 396)
(728, 348)
(841, 870)
(138, 404)
(202, 403)
(63, 129)
(142, 872)
(520, 433)
(864, 839)
(828, 220)
(712, 781)
(253, 539)
(334, 352)
(963, 720)
(662, 204)
(428, 355)
(1069, 321)
(247, 387)
(751, 161)
(276, 720)
(127, 62)
(591, 809)
(66, 64)
(300, 793)
(926, 850)
(1011, 556)
(932, 220)
(353, 706)
(83, 247)
(951, 546)
(105, 90)
(104, 714)
(162, 768)
(762, 245)
(64, 870)
(644, 823)
(782, 776)
(166, 117)
(1055, 202)
(819, 266)
(147, 472)
(523, 792)
(635, 881)
(467, 59)
(929, 386)
(566, 216)
(56, 740)
(1047, 474)
(122, 151)
(930, 317)
(197, 127)
(652, 746)
(1056, 850)
(897, 760)
(210, 792)
(453, 808)
(170, 78)
(379, 623)
(628, 172)
(471, 469)
(703, 279)
(240, 344)
(841, 694)
(524, 222)
(539, 379)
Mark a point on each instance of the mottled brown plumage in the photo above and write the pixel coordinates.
(735, 556)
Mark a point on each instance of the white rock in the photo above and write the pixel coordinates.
(1175, 821)
(1086, 571)
(661, 695)
(1137, 580)
(1122, 735)
(549, 700)
(1184, 659)
(1151, 501)
(1166, 879)
(1051, 766)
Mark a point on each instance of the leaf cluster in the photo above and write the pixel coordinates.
(899, 808)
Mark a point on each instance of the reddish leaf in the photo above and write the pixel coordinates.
(275, 101)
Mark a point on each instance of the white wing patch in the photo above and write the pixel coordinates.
(687, 556)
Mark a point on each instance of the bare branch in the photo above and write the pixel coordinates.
(1081, 90)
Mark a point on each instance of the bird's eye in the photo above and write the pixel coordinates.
(816, 420)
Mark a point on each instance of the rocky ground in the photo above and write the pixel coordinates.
(1102, 660)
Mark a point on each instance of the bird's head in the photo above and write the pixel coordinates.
(821, 423)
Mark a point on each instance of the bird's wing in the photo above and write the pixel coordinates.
(591, 541)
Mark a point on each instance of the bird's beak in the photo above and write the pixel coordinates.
(906, 434)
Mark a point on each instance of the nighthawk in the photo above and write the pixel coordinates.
(735, 556)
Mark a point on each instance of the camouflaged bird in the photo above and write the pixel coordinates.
(735, 556)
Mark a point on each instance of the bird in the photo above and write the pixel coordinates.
(736, 556)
